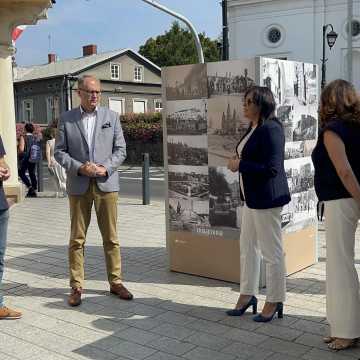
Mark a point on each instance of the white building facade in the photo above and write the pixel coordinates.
(292, 30)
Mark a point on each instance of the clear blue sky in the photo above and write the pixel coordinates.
(111, 24)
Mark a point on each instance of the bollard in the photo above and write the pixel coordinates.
(146, 179)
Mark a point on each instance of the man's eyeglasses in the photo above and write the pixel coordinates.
(91, 92)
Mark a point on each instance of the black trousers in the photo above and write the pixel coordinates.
(30, 168)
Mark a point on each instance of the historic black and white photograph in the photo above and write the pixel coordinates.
(294, 86)
(299, 149)
(226, 126)
(305, 128)
(185, 82)
(186, 117)
(187, 150)
(231, 78)
(189, 214)
(300, 174)
(285, 114)
(301, 211)
(290, 81)
(224, 199)
(186, 182)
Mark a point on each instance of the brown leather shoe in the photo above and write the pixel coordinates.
(9, 314)
(121, 291)
(75, 297)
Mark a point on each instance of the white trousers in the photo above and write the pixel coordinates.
(261, 235)
(342, 283)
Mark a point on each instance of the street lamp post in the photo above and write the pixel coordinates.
(331, 37)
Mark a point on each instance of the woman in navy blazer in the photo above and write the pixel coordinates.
(259, 160)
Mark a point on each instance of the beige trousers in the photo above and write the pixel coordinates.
(261, 235)
(80, 215)
(342, 283)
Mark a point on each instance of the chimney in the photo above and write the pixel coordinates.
(89, 50)
(51, 58)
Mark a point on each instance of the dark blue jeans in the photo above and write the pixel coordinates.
(26, 165)
(4, 219)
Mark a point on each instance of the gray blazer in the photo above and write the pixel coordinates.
(72, 150)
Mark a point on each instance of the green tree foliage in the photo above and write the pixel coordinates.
(177, 47)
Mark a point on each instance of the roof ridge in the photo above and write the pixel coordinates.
(76, 58)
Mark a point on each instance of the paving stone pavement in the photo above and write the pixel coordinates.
(173, 317)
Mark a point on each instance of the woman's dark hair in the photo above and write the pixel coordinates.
(29, 128)
(263, 98)
(52, 133)
(339, 101)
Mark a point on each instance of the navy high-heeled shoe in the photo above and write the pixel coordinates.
(279, 310)
(238, 312)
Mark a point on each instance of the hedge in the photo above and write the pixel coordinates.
(142, 133)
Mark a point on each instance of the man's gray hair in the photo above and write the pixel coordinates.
(83, 78)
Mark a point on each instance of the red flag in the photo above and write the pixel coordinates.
(17, 32)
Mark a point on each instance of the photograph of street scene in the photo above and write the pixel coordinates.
(295, 89)
(230, 78)
(298, 149)
(300, 212)
(226, 126)
(300, 174)
(224, 201)
(185, 82)
(186, 117)
(188, 197)
(187, 150)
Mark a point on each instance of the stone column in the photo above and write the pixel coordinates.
(12, 14)
(7, 121)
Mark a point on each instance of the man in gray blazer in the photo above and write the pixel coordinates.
(90, 146)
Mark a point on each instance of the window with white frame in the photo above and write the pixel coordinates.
(139, 106)
(158, 105)
(28, 110)
(117, 105)
(138, 73)
(52, 108)
(115, 71)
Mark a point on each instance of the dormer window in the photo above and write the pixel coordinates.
(115, 71)
(139, 73)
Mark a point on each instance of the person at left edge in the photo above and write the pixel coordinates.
(5, 312)
(90, 146)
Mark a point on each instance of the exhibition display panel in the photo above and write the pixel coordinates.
(203, 122)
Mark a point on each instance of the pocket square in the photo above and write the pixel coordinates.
(106, 125)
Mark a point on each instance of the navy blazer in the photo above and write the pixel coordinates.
(262, 167)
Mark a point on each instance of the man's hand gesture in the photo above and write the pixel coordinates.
(92, 170)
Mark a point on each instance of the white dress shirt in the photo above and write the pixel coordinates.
(89, 120)
(239, 151)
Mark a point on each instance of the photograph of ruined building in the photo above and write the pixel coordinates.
(188, 214)
(294, 85)
(224, 203)
(298, 149)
